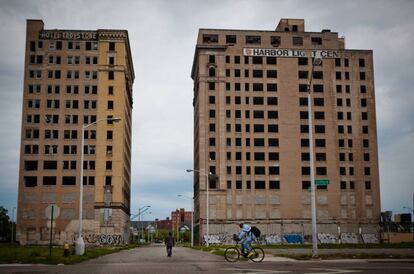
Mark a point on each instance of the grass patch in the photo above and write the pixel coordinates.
(40, 255)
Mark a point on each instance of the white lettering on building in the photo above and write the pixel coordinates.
(290, 53)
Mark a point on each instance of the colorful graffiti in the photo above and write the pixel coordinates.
(323, 238)
(293, 238)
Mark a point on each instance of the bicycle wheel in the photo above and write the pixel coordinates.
(231, 254)
(258, 254)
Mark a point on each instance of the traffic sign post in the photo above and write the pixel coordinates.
(51, 211)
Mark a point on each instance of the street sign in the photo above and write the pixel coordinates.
(48, 211)
(322, 182)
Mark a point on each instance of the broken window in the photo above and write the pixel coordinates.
(210, 38)
(253, 39)
(68, 180)
(302, 61)
(258, 101)
(30, 181)
(111, 46)
(275, 40)
(49, 180)
(273, 156)
(231, 39)
(257, 73)
(271, 60)
(211, 71)
(258, 142)
(317, 88)
(257, 87)
(30, 165)
(273, 142)
(318, 102)
(316, 40)
(271, 87)
(271, 74)
(303, 74)
(306, 184)
(111, 75)
(320, 143)
(273, 114)
(274, 170)
(297, 41)
(272, 101)
(320, 157)
(257, 60)
(318, 75)
(258, 128)
(50, 165)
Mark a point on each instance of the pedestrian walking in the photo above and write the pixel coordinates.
(169, 242)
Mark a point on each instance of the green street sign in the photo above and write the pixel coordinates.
(322, 182)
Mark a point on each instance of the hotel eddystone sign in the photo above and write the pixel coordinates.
(68, 35)
(290, 53)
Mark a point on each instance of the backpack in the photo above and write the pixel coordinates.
(256, 232)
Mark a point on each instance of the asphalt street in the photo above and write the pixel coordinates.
(153, 259)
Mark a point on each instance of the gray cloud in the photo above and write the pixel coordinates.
(163, 36)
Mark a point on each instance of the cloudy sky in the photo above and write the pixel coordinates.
(163, 35)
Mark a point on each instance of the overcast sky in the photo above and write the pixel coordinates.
(163, 36)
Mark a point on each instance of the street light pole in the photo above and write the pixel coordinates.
(317, 61)
(207, 202)
(192, 218)
(141, 210)
(80, 244)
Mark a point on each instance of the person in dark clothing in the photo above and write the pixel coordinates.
(169, 242)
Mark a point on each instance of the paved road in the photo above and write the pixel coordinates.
(153, 259)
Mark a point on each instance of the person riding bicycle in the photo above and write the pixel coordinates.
(246, 237)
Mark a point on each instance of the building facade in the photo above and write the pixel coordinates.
(251, 131)
(75, 78)
(180, 217)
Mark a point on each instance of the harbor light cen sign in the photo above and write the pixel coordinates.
(290, 53)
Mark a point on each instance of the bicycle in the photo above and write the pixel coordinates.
(232, 254)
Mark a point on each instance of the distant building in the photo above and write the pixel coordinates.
(73, 78)
(180, 217)
(164, 224)
(251, 130)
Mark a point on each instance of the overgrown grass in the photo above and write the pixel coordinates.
(40, 255)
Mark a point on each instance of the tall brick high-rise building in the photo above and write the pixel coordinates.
(74, 78)
(251, 130)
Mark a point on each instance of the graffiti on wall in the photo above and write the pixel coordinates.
(293, 238)
(349, 238)
(370, 238)
(327, 238)
(271, 239)
(215, 239)
(102, 239)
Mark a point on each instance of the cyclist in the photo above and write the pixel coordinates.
(246, 237)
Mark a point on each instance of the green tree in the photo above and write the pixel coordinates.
(5, 225)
